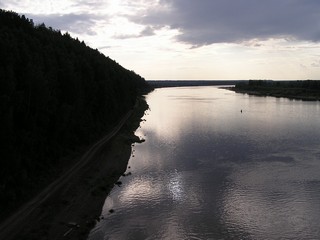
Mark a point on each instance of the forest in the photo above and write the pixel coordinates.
(308, 90)
(57, 96)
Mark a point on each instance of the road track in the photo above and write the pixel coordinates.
(9, 228)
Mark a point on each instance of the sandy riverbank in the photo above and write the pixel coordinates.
(72, 211)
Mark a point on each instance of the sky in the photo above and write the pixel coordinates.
(189, 39)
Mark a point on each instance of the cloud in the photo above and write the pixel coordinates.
(104, 47)
(227, 21)
(77, 16)
(147, 31)
(6, 4)
(316, 64)
(90, 4)
(81, 23)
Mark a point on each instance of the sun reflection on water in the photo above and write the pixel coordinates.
(175, 186)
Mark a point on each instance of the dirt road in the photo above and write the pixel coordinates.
(48, 215)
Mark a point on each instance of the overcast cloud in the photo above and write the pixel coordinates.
(147, 31)
(77, 16)
(93, 4)
(76, 23)
(185, 39)
(215, 21)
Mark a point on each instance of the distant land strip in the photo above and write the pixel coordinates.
(191, 83)
(306, 90)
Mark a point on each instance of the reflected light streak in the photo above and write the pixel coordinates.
(175, 186)
(140, 190)
(172, 113)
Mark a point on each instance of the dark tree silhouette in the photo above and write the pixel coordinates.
(305, 90)
(56, 96)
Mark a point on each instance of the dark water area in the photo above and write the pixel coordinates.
(209, 171)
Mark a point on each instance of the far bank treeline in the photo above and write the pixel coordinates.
(56, 95)
(308, 90)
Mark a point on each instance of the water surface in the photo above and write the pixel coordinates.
(209, 171)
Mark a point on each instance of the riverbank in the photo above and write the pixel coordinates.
(74, 207)
(291, 93)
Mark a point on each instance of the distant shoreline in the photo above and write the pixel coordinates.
(306, 90)
(294, 95)
(191, 83)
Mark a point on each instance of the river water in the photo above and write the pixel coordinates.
(209, 171)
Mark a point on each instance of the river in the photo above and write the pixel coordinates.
(219, 165)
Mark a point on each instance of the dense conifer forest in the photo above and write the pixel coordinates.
(57, 95)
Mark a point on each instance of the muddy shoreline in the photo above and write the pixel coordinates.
(72, 211)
